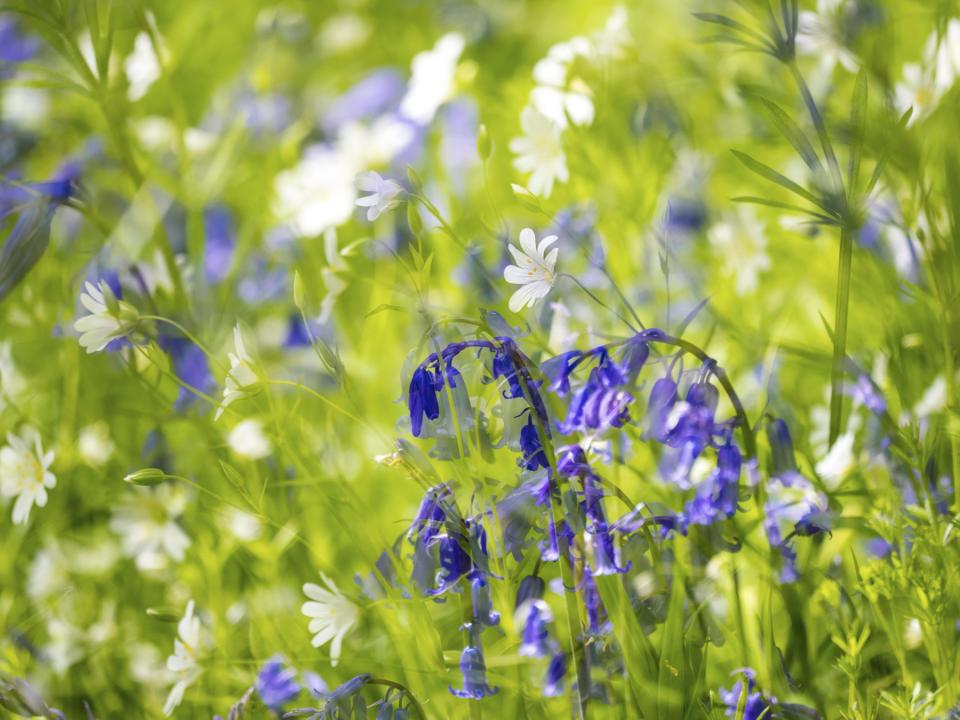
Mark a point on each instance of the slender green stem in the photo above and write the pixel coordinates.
(840, 333)
(951, 409)
(326, 401)
(190, 336)
(598, 301)
(414, 703)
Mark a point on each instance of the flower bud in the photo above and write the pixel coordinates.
(146, 476)
(413, 218)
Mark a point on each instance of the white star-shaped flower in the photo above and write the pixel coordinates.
(534, 270)
(333, 615)
(241, 374)
(383, 193)
(25, 473)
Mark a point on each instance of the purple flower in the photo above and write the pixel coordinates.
(755, 705)
(483, 611)
(14, 46)
(218, 248)
(474, 671)
(533, 454)
(373, 95)
(867, 393)
(275, 684)
(534, 614)
(553, 682)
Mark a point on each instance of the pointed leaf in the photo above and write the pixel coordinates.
(792, 132)
(773, 176)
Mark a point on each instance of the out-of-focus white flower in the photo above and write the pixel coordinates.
(66, 645)
(12, 382)
(558, 94)
(383, 193)
(741, 243)
(242, 525)
(539, 152)
(142, 67)
(925, 83)
(148, 529)
(109, 317)
(248, 440)
(333, 615)
(534, 270)
(613, 40)
(25, 472)
(183, 661)
(364, 145)
(820, 34)
(94, 444)
(839, 461)
(343, 32)
(432, 78)
(241, 374)
(25, 107)
(933, 400)
(318, 193)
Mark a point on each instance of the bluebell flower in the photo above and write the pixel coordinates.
(755, 704)
(341, 701)
(557, 370)
(692, 432)
(534, 615)
(550, 548)
(596, 623)
(662, 398)
(455, 562)
(599, 404)
(534, 455)
(718, 496)
(483, 611)
(276, 684)
(532, 587)
(378, 92)
(687, 215)
(553, 682)
(219, 243)
(869, 395)
(474, 671)
(794, 507)
(517, 514)
(27, 241)
(190, 364)
(422, 399)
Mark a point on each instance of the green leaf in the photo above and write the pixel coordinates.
(672, 669)
(639, 655)
(383, 307)
(768, 173)
(24, 246)
(784, 206)
(792, 132)
(858, 112)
